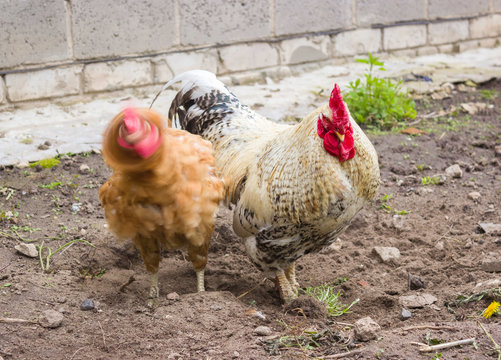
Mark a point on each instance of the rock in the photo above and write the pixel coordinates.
(263, 331)
(51, 319)
(22, 164)
(87, 304)
(75, 207)
(454, 171)
(387, 254)
(416, 283)
(84, 169)
(173, 296)
(398, 221)
(417, 301)
(216, 307)
(405, 314)
(497, 150)
(366, 329)
(29, 250)
(474, 195)
(440, 246)
(491, 265)
(490, 228)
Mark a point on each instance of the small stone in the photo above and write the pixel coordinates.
(490, 228)
(173, 296)
(23, 165)
(29, 250)
(405, 314)
(83, 232)
(263, 331)
(366, 329)
(497, 150)
(491, 265)
(87, 304)
(51, 319)
(440, 246)
(417, 301)
(216, 307)
(84, 169)
(454, 171)
(398, 221)
(387, 254)
(236, 354)
(75, 207)
(415, 282)
(474, 195)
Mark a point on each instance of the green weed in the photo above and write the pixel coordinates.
(427, 180)
(52, 185)
(488, 94)
(327, 295)
(46, 163)
(378, 103)
(45, 259)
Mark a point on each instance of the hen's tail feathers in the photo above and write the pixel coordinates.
(200, 88)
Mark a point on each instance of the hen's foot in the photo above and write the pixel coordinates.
(290, 274)
(200, 280)
(287, 293)
(154, 291)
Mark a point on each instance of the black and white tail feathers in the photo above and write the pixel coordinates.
(202, 101)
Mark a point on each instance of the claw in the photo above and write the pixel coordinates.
(287, 293)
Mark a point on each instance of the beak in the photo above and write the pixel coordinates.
(339, 136)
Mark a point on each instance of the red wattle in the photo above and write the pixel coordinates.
(342, 150)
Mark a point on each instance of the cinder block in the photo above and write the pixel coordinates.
(205, 60)
(486, 26)
(469, 45)
(455, 8)
(43, 84)
(371, 12)
(447, 32)
(248, 56)
(297, 16)
(405, 53)
(448, 49)
(114, 75)
(427, 50)
(32, 32)
(3, 92)
(204, 22)
(300, 50)
(399, 37)
(119, 27)
(360, 41)
(489, 43)
(497, 5)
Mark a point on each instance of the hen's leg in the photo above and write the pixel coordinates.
(150, 252)
(287, 293)
(290, 274)
(198, 256)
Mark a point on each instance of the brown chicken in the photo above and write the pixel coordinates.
(164, 190)
(295, 187)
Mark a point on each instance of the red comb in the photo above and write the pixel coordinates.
(339, 112)
(131, 120)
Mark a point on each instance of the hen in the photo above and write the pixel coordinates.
(295, 187)
(164, 190)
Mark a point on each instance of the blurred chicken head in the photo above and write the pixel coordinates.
(138, 134)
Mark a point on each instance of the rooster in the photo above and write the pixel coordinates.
(295, 187)
(164, 190)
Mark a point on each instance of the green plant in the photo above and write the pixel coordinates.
(488, 94)
(378, 103)
(52, 185)
(427, 180)
(325, 293)
(386, 207)
(46, 264)
(46, 163)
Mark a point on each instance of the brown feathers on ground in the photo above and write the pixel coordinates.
(165, 200)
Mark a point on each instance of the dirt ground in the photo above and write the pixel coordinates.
(442, 250)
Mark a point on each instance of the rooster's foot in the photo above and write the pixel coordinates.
(290, 274)
(287, 292)
(200, 280)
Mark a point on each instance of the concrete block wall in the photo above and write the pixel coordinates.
(51, 49)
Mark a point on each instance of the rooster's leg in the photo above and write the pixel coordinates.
(153, 286)
(198, 256)
(200, 280)
(287, 293)
(150, 252)
(290, 274)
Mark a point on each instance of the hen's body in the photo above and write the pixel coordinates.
(167, 200)
(292, 197)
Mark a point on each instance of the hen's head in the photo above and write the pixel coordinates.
(335, 128)
(138, 134)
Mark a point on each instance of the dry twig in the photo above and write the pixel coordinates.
(14, 321)
(432, 327)
(104, 339)
(342, 355)
(249, 291)
(497, 348)
(429, 348)
(130, 281)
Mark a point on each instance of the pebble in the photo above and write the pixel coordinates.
(173, 296)
(87, 304)
(491, 265)
(366, 329)
(474, 195)
(75, 207)
(454, 171)
(216, 307)
(51, 319)
(417, 301)
(387, 254)
(415, 282)
(29, 250)
(263, 331)
(440, 246)
(497, 150)
(490, 228)
(405, 314)
(23, 165)
(84, 169)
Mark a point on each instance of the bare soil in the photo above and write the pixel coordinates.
(440, 244)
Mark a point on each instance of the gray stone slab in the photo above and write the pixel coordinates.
(205, 22)
(120, 27)
(455, 8)
(389, 11)
(32, 32)
(297, 16)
